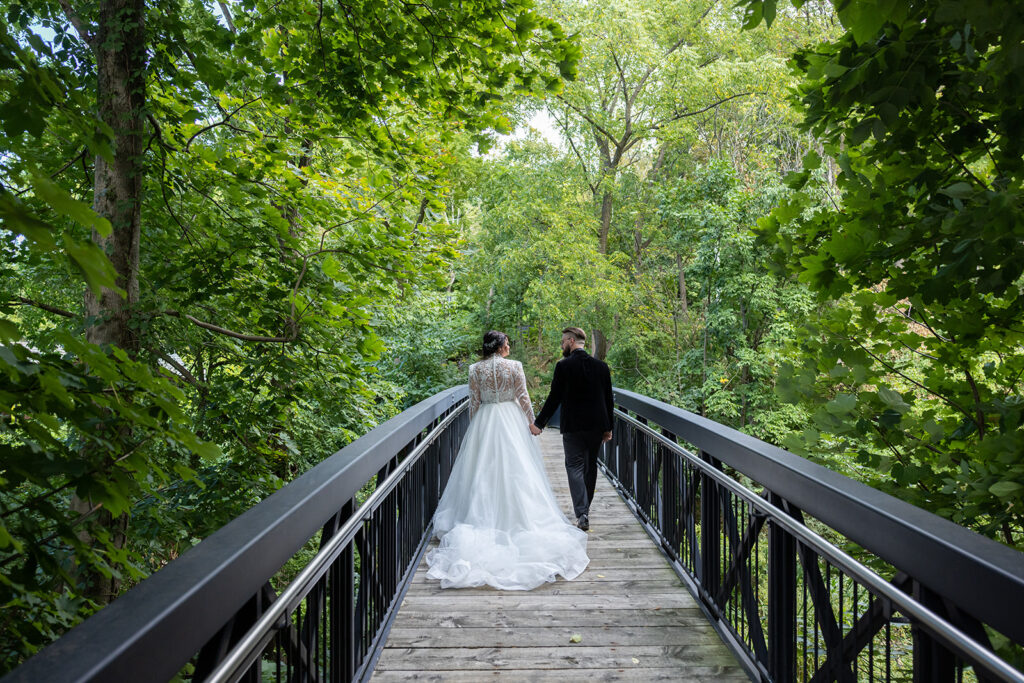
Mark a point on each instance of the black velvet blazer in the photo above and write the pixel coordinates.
(582, 386)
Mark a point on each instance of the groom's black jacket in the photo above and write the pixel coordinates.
(582, 386)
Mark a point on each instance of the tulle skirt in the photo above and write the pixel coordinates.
(498, 521)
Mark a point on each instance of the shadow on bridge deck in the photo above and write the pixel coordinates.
(635, 619)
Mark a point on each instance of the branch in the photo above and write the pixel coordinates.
(227, 15)
(227, 117)
(704, 16)
(919, 353)
(159, 134)
(80, 155)
(182, 370)
(583, 164)
(675, 46)
(229, 333)
(959, 162)
(80, 26)
(979, 417)
(163, 193)
(892, 368)
(81, 518)
(924, 320)
(589, 120)
(899, 456)
(688, 113)
(320, 33)
(622, 78)
(419, 218)
(22, 301)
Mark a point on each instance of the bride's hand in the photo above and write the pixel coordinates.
(535, 430)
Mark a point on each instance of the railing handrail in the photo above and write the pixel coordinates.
(159, 625)
(981, 576)
(958, 640)
(252, 643)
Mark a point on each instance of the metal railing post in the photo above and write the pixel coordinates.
(669, 511)
(933, 663)
(710, 534)
(781, 601)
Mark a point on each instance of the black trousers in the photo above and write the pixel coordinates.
(581, 451)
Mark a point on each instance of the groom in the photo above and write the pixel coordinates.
(582, 386)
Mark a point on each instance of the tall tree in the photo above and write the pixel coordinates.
(648, 68)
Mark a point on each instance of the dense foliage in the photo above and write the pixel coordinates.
(873, 319)
(916, 369)
(634, 219)
(237, 235)
(266, 184)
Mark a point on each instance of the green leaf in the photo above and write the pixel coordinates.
(797, 179)
(6, 540)
(958, 190)
(754, 14)
(841, 404)
(66, 205)
(525, 23)
(9, 332)
(1005, 488)
(206, 450)
(833, 70)
(332, 268)
(893, 400)
(863, 20)
(94, 266)
(18, 219)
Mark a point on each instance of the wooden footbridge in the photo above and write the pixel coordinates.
(714, 556)
(630, 613)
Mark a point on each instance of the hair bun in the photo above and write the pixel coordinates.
(493, 341)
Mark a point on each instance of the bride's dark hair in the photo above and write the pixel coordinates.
(493, 341)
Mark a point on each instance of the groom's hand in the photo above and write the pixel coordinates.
(535, 430)
(607, 436)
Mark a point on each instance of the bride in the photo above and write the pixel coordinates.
(498, 521)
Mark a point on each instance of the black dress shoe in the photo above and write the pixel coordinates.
(583, 522)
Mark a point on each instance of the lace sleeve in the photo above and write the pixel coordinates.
(522, 395)
(474, 393)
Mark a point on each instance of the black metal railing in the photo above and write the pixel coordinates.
(806, 574)
(213, 614)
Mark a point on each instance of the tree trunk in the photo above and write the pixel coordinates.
(606, 221)
(117, 196)
(117, 189)
(599, 341)
(682, 286)
(599, 344)
(638, 241)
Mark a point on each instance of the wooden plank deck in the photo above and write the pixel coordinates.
(635, 619)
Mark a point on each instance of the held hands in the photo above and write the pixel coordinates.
(535, 430)
(607, 436)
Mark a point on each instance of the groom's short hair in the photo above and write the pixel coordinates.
(576, 332)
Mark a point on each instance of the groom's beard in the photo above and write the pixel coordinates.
(566, 351)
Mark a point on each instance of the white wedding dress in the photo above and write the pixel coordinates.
(498, 521)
